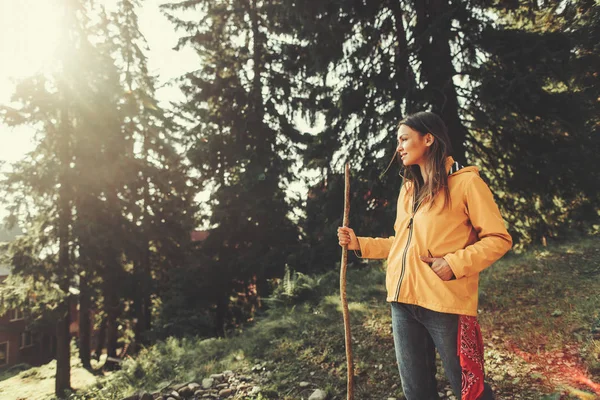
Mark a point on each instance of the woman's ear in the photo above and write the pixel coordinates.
(429, 139)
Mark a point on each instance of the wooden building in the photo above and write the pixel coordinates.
(18, 344)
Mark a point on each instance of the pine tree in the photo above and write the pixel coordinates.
(367, 65)
(535, 116)
(476, 63)
(159, 192)
(42, 191)
(65, 193)
(240, 140)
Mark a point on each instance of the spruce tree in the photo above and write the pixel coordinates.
(159, 192)
(41, 187)
(239, 136)
(535, 118)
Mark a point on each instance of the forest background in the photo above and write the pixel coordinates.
(282, 94)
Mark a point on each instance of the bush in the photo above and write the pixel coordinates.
(295, 288)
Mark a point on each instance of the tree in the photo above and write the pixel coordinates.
(366, 65)
(535, 116)
(41, 191)
(239, 136)
(159, 193)
(105, 198)
(495, 77)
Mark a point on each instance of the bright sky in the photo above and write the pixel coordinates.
(29, 38)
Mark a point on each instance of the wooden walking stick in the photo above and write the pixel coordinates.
(344, 266)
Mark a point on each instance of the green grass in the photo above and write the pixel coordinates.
(536, 311)
(541, 307)
(37, 383)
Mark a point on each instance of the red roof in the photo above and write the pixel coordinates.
(199, 236)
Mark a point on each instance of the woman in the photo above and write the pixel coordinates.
(447, 230)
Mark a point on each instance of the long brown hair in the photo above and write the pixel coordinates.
(427, 122)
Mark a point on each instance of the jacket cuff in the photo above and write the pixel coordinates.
(454, 265)
(362, 252)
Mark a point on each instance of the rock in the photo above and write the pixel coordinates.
(227, 373)
(185, 391)
(146, 396)
(312, 373)
(304, 384)
(217, 377)
(175, 395)
(199, 393)
(577, 328)
(449, 393)
(318, 395)
(391, 398)
(497, 378)
(226, 392)
(193, 386)
(207, 383)
(255, 390)
(222, 386)
(257, 367)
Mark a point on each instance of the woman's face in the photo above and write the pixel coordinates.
(412, 146)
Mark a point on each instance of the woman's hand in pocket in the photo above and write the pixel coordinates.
(440, 267)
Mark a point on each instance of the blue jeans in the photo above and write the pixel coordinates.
(418, 332)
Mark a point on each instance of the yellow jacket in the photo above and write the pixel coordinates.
(470, 235)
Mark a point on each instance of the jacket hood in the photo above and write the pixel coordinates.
(454, 168)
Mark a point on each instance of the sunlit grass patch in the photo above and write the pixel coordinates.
(543, 304)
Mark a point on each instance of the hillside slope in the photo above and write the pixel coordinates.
(538, 313)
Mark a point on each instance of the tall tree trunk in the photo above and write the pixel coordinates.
(257, 56)
(84, 322)
(63, 351)
(101, 338)
(143, 316)
(113, 275)
(433, 32)
(138, 307)
(405, 77)
(63, 337)
(112, 308)
(148, 308)
(141, 302)
(146, 322)
(221, 314)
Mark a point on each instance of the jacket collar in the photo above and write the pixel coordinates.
(452, 166)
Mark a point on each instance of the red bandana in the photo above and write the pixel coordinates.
(470, 351)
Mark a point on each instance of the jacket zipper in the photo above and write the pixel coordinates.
(410, 228)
